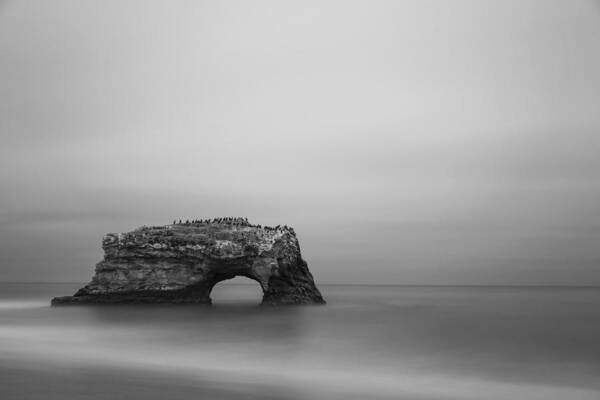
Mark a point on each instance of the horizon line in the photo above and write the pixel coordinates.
(361, 284)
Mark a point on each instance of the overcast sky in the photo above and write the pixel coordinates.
(416, 142)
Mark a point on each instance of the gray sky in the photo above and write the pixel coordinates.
(429, 142)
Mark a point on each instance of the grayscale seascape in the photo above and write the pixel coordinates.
(369, 342)
(300, 200)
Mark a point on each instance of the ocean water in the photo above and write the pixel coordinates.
(368, 342)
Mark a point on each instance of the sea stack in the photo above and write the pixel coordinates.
(182, 262)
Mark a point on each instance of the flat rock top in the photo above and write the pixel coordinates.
(232, 238)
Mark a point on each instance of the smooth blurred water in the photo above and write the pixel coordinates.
(368, 342)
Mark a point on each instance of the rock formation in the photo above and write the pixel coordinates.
(180, 263)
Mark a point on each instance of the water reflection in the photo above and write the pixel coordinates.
(378, 342)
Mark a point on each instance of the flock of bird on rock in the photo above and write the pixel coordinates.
(235, 221)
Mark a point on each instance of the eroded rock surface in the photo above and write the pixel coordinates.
(181, 263)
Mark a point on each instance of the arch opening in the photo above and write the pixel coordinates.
(237, 290)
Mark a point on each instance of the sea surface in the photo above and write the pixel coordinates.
(368, 342)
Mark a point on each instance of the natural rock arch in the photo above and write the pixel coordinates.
(181, 263)
(238, 290)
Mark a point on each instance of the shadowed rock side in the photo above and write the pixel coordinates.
(181, 263)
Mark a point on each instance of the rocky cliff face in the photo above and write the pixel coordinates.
(180, 263)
